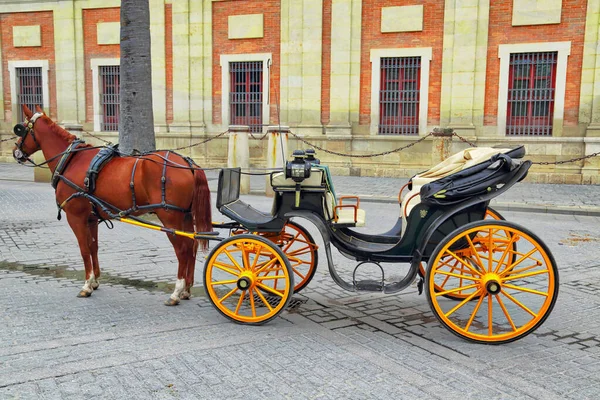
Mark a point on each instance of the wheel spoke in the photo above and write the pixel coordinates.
(268, 289)
(449, 274)
(256, 257)
(299, 252)
(239, 304)
(265, 302)
(509, 246)
(522, 289)
(506, 314)
(264, 278)
(519, 261)
(458, 289)
(462, 303)
(527, 275)
(298, 273)
(251, 297)
(490, 252)
(464, 263)
(518, 271)
(291, 242)
(266, 264)
(474, 249)
(223, 267)
(224, 282)
(233, 260)
(222, 299)
(490, 318)
(474, 313)
(517, 302)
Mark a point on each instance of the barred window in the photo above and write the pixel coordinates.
(109, 97)
(246, 94)
(531, 91)
(399, 95)
(29, 88)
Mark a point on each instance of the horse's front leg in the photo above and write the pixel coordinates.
(81, 228)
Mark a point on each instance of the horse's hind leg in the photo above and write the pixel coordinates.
(183, 250)
(93, 224)
(81, 229)
(191, 263)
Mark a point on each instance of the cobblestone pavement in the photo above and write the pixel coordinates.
(123, 343)
(541, 198)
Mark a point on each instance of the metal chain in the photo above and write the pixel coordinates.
(95, 137)
(176, 149)
(7, 139)
(539, 162)
(362, 155)
(260, 138)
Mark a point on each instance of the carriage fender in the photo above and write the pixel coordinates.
(316, 219)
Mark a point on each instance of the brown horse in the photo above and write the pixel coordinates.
(185, 189)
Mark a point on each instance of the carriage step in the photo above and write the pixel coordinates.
(369, 285)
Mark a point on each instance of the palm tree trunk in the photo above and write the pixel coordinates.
(136, 122)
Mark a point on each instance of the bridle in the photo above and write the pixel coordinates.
(22, 130)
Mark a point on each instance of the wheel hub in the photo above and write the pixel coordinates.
(246, 281)
(491, 283)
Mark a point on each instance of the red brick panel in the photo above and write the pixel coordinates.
(10, 53)
(92, 49)
(432, 36)
(169, 59)
(501, 31)
(269, 43)
(326, 63)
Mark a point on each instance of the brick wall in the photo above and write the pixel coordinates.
(169, 59)
(92, 49)
(326, 63)
(10, 53)
(501, 31)
(372, 38)
(269, 43)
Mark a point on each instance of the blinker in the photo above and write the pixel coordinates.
(20, 130)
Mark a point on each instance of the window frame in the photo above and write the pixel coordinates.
(504, 52)
(225, 60)
(105, 106)
(247, 105)
(95, 64)
(402, 103)
(12, 70)
(375, 56)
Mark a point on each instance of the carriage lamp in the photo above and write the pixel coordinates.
(310, 157)
(20, 130)
(298, 169)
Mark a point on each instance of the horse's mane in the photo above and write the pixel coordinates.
(63, 133)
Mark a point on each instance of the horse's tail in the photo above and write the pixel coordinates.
(201, 209)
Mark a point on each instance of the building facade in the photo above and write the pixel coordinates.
(351, 76)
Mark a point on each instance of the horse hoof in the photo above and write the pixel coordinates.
(185, 296)
(95, 286)
(83, 293)
(171, 302)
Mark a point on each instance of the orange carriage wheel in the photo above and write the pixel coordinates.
(490, 213)
(300, 249)
(248, 279)
(509, 293)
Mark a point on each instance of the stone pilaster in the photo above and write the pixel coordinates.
(301, 59)
(159, 78)
(345, 65)
(464, 64)
(200, 62)
(181, 67)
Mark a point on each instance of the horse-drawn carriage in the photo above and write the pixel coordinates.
(487, 280)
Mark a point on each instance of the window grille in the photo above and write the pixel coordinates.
(531, 90)
(29, 86)
(246, 94)
(109, 97)
(399, 96)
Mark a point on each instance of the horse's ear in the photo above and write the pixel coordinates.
(28, 113)
(39, 109)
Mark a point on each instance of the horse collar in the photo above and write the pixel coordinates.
(64, 161)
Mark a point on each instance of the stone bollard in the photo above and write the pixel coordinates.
(442, 145)
(238, 154)
(277, 150)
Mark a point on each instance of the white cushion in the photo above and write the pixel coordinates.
(315, 179)
(346, 216)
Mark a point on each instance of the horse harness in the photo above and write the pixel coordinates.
(99, 161)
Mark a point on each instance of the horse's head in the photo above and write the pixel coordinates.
(27, 144)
